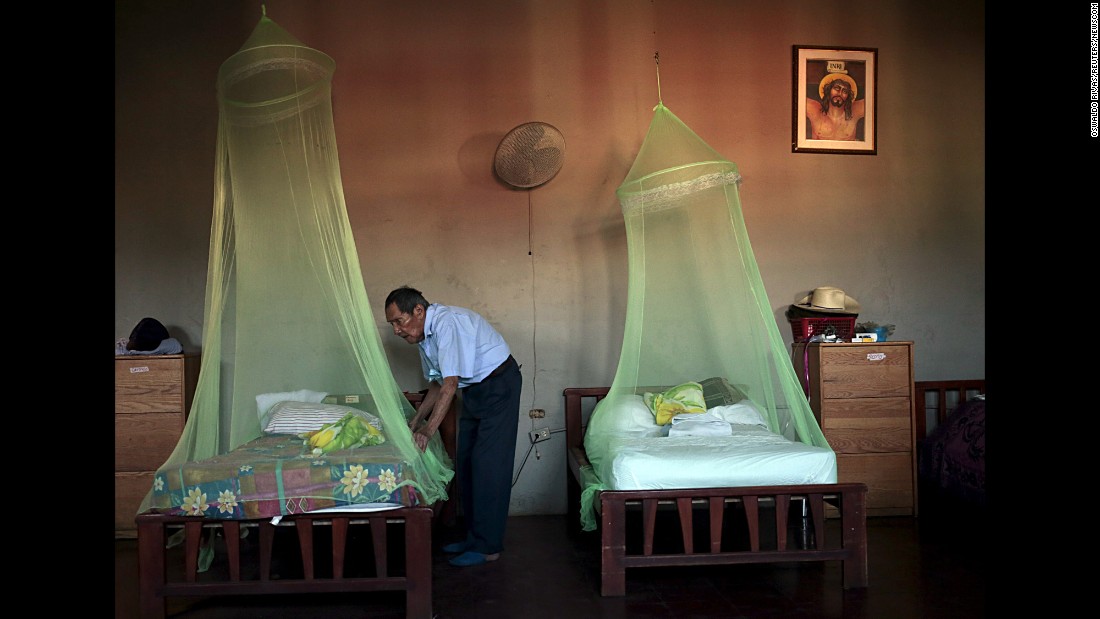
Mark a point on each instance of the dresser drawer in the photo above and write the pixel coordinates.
(144, 441)
(153, 395)
(889, 479)
(145, 385)
(864, 372)
(868, 425)
(130, 490)
(861, 394)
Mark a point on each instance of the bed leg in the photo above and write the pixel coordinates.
(716, 509)
(752, 520)
(304, 527)
(418, 564)
(854, 521)
(683, 506)
(267, 540)
(782, 516)
(192, 544)
(152, 574)
(339, 545)
(232, 531)
(613, 536)
(649, 524)
(817, 512)
(381, 550)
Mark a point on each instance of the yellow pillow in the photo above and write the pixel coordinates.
(683, 398)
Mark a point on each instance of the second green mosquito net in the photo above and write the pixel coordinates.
(287, 314)
(696, 311)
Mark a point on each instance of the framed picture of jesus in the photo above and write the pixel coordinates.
(834, 100)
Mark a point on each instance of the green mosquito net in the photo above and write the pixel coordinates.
(696, 307)
(286, 306)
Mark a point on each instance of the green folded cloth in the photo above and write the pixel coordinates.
(350, 431)
(683, 398)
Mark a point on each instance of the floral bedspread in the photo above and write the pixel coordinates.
(952, 458)
(272, 476)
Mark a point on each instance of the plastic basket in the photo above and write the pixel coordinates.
(841, 326)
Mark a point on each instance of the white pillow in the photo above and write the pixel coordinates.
(634, 418)
(744, 412)
(265, 401)
(291, 417)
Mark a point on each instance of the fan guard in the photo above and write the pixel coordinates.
(530, 155)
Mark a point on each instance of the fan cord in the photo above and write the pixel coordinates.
(534, 305)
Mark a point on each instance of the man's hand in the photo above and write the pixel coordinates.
(432, 409)
(421, 433)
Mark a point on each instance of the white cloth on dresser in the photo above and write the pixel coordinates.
(170, 346)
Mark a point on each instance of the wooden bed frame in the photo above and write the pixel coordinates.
(949, 502)
(400, 542)
(961, 388)
(712, 505)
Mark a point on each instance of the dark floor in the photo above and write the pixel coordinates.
(918, 567)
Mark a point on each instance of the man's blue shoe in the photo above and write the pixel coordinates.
(456, 547)
(471, 558)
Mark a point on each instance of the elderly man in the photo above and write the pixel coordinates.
(460, 350)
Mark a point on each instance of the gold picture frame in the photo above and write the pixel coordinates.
(835, 100)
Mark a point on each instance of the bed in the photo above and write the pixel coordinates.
(712, 525)
(951, 456)
(272, 542)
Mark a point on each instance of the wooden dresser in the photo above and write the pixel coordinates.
(862, 396)
(152, 398)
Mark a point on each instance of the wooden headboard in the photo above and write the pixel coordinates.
(574, 413)
(961, 389)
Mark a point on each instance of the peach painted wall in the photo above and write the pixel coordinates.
(424, 91)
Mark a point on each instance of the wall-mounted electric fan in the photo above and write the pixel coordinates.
(530, 155)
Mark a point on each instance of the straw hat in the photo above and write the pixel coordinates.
(828, 300)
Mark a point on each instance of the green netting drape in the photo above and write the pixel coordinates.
(286, 306)
(696, 305)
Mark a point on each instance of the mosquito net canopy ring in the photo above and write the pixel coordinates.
(286, 307)
(696, 306)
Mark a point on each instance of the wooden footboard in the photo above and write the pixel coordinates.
(716, 526)
(397, 546)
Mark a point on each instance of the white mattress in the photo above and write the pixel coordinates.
(752, 456)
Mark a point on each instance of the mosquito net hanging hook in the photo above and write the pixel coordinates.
(657, 61)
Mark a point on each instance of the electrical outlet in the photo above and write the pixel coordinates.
(539, 435)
